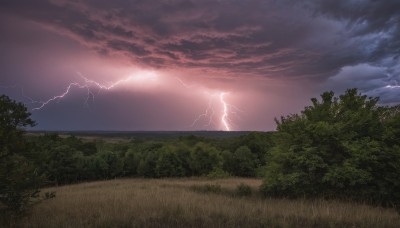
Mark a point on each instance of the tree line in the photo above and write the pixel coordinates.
(70, 160)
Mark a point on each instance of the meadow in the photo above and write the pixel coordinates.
(193, 202)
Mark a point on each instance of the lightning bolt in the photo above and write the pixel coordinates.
(226, 111)
(225, 115)
(184, 84)
(207, 116)
(65, 93)
(209, 113)
(88, 85)
(117, 83)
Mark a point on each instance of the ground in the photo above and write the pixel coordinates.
(193, 202)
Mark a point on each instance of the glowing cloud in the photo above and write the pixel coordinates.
(88, 84)
(146, 77)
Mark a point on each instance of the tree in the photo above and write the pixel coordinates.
(19, 181)
(62, 165)
(147, 165)
(259, 143)
(149, 154)
(114, 163)
(204, 159)
(244, 162)
(13, 117)
(169, 164)
(131, 162)
(337, 147)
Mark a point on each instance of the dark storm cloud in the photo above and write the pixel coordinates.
(374, 26)
(368, 17)
(237, 36)
(131, 48)
(277, 39)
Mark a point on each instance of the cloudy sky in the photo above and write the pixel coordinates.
(192, 64)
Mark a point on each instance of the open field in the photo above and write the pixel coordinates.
(193, 203)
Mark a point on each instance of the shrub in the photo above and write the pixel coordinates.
(218, 173)
(243, 190)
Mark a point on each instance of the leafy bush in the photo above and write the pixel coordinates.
(218, 173)
(338, 147)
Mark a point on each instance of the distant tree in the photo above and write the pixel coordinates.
(131, 163)
(204, 159)
(97, 167)
(87, 148)
(62, 164)
(19, 181)
(244, 162)
(259, 144)
(147, 165)
(114, 163)
(183, 153)
(169, 163)
(148, 158)
(337, 147)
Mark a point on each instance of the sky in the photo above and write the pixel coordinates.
(231, 65)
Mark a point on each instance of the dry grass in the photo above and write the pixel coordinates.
(173, 203)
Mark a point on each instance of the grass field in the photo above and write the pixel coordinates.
(193, 203)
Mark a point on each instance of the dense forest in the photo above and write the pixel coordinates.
(70, 159)
(339, 147)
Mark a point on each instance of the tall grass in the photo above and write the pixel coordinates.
(173, 203)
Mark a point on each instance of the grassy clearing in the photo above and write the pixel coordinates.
(180, 203)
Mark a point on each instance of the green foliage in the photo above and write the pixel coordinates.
(147, 165)
(204, 159)
(259, 143)
(87, 148)
(131, 163)
(65, 160)
(244, 162)
(113, 164)
(218, 173)
(14, 116)
(94, 168)
(19, 181)
(62, 164)
(338, 147)
(170, 163)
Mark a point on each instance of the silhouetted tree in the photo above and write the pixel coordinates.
(19, 181)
